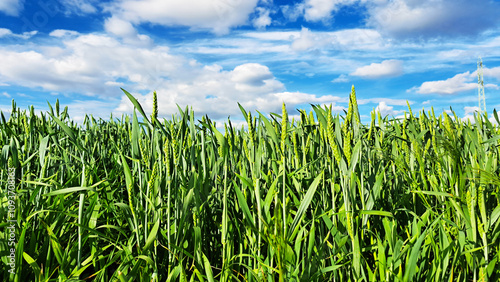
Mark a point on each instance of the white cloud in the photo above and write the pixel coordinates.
(388, 68)
(96, 65)
(456, 54)
(347, 39)
(305, 41)
(272, 35)
(63, 33)
(283, 43)
(385, 110)
(292, 13)
(386, 101)
(316, 10)
(4, 32)
(356, 39)
(11, 7)
(251, 74)
(212, 90)
(470, 117)
(263, 19)
(77, 109)
(86, 63)
(80, 7)
(225, 47)
(217, 15)
(491, 72)
(6, 109)
(114, 83)
(430, 18)
(125, 30)
(470, 110)
(297, 98)
(119, 27)
(340, 79)
(459, 83)
(401, 18)
(216, 92)
(5, 94)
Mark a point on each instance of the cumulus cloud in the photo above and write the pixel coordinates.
(119, 27)
(263, 20)
(319, 9)
(385, 109)
(96, 65)
(459, 83)
(251, 74)
(217, 15)
(86, 63)
(125, 30)
(216, 91)
(11, 7)
(213, 90)
(431, 18)
(388, 68)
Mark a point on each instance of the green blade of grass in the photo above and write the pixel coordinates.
(136, 105)
(208, 268)
(68, 132)
(68, 190)
(151, 236)
(34, 266)
(244, 206)
(305, 203)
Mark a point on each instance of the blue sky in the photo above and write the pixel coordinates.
(212, 54)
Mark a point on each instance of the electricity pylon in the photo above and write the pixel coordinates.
(480, 86)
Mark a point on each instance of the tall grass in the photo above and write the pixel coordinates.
(323, 198)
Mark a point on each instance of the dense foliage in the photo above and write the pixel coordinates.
(323, 198)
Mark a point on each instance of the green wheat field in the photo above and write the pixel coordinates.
(321, 198)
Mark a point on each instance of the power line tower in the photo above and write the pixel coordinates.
(480, 86)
